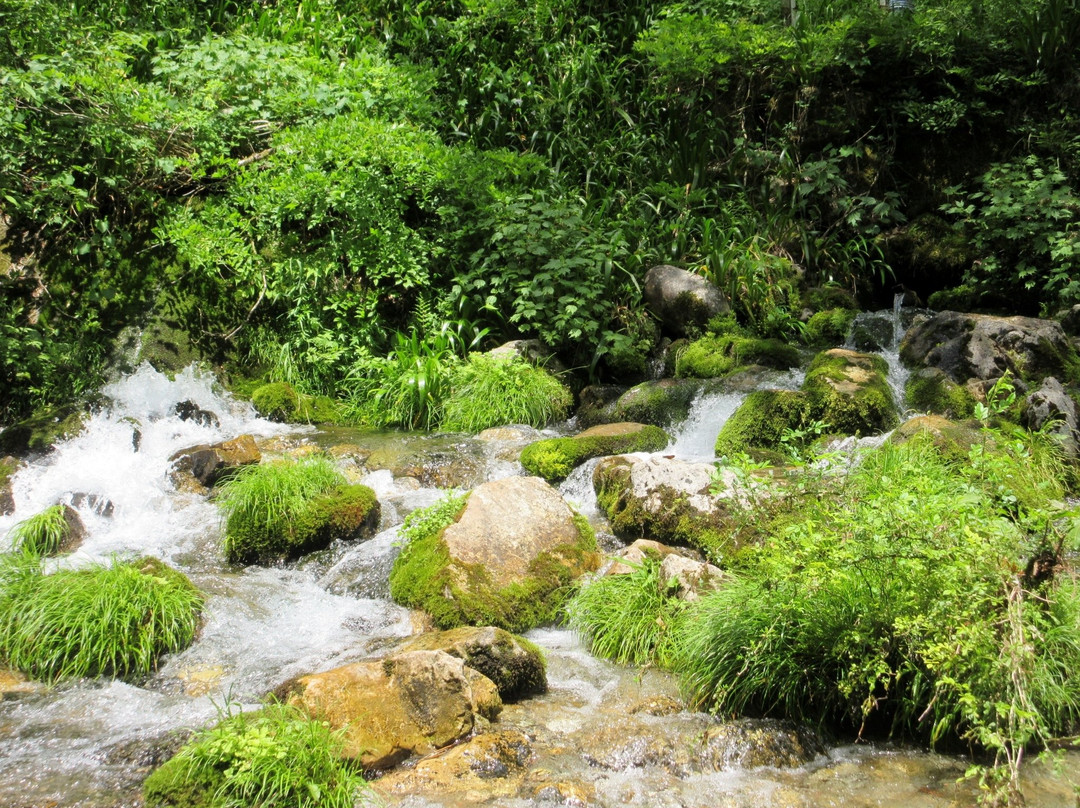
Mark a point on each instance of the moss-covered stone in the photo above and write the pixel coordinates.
(762, 420)
(40, 432)
(829, 327)
(660, 403)
(851, 393)
(823, 298)
(930, 390)
(279, 401)
(179, 783)
(953, 439)
(554, 458)
(666, 500)
(349, 512)
(715, 356)
(455, 592)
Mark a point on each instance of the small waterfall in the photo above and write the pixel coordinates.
(881, 332)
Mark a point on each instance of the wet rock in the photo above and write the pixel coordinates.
(491, 764)
(570, 795)
(752, 743)
(1052, 405)
(456, 467)
(596, 404)
(74, 531)
(349, 452)
(532, 351)
(977, 346)
(14, 685)
(410, 703)
(208, 464)
(634, 743)
(40, 433)
(505, 560)
(681, 300)
(8, 467)
(513, 663)
(657, 706)
(96, 503)
(661, 403)
(663, 499)
(190, 411)
(554, 458)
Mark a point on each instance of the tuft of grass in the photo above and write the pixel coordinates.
(627, 618)
(42, 534)
(102, 621)
(281, 509)
(489, 391)
(277, 757)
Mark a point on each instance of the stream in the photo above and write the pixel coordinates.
(91, 743)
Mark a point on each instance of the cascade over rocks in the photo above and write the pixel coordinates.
(663, 499)
(208, 464)
(410, 703)
(682, 300)
(514, 664)
(978, 346)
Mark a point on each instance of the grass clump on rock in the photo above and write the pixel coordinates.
(101, 621)
(43, 533)
(286, 508)
(277, 757)
(554, 458)
(488, 391)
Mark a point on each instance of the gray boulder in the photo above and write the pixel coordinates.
(1051, 404)
(681, 299)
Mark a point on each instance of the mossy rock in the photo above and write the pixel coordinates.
(851, 393)
(823, 298)
(930, 390)
(8, 467)
(349, 512)
(661, 403)
(829, 327)
(715, 356)
(665, 500)
(179, 783)
(596, 404)
(167, 346)
(505, 557)
(953, 439)
(40, 432)
(554, 458)
(279, 401)
(763, 418)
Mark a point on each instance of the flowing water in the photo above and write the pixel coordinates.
(90, 744)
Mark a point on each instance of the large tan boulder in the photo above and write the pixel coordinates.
(411, 703)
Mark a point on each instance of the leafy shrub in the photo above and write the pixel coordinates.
(42, 534)
(627, 618)
(285, 508)
(102, 621)
(277, 757)
(487, 391)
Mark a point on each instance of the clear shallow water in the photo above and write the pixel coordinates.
(90, 744)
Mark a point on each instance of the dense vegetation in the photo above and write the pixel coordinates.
(305, 189)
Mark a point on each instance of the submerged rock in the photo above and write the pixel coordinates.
(514, 664)
(411, 703)
(554, 458)
(751, 743)
(682, 300)
(505, 560)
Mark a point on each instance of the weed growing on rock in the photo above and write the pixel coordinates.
(42, 534)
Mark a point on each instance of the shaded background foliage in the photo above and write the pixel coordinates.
(294, 183)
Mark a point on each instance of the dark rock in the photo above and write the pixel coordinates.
(96, 503)
(1051, 404)
(209, 464)
(190, 411)
(682, 300)
(752, 743)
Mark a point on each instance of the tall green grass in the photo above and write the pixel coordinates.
(102, 621)
(277, 757)
(489, 391)
(42, 534)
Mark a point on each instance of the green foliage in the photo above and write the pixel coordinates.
(101, 621)
(487, 391)
(43, 534)
(906, 598)
(554, 458)
(627, 618)
(828, 328)
(277, 757)
(285, 508)
(1022, 221)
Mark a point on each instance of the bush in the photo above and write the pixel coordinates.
(277, 757)
(489, 391)
(103, 621)
(286, 508)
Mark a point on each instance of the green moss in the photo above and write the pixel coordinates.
(425, 577)
(167, 346)
(850, 392)
(40, 432)
(554, 458)
(715, 356)
(823, 298)
(829, 327)
(930, 390)
(762, 419)
(180, 783)
(279, 401)
(660, 403)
